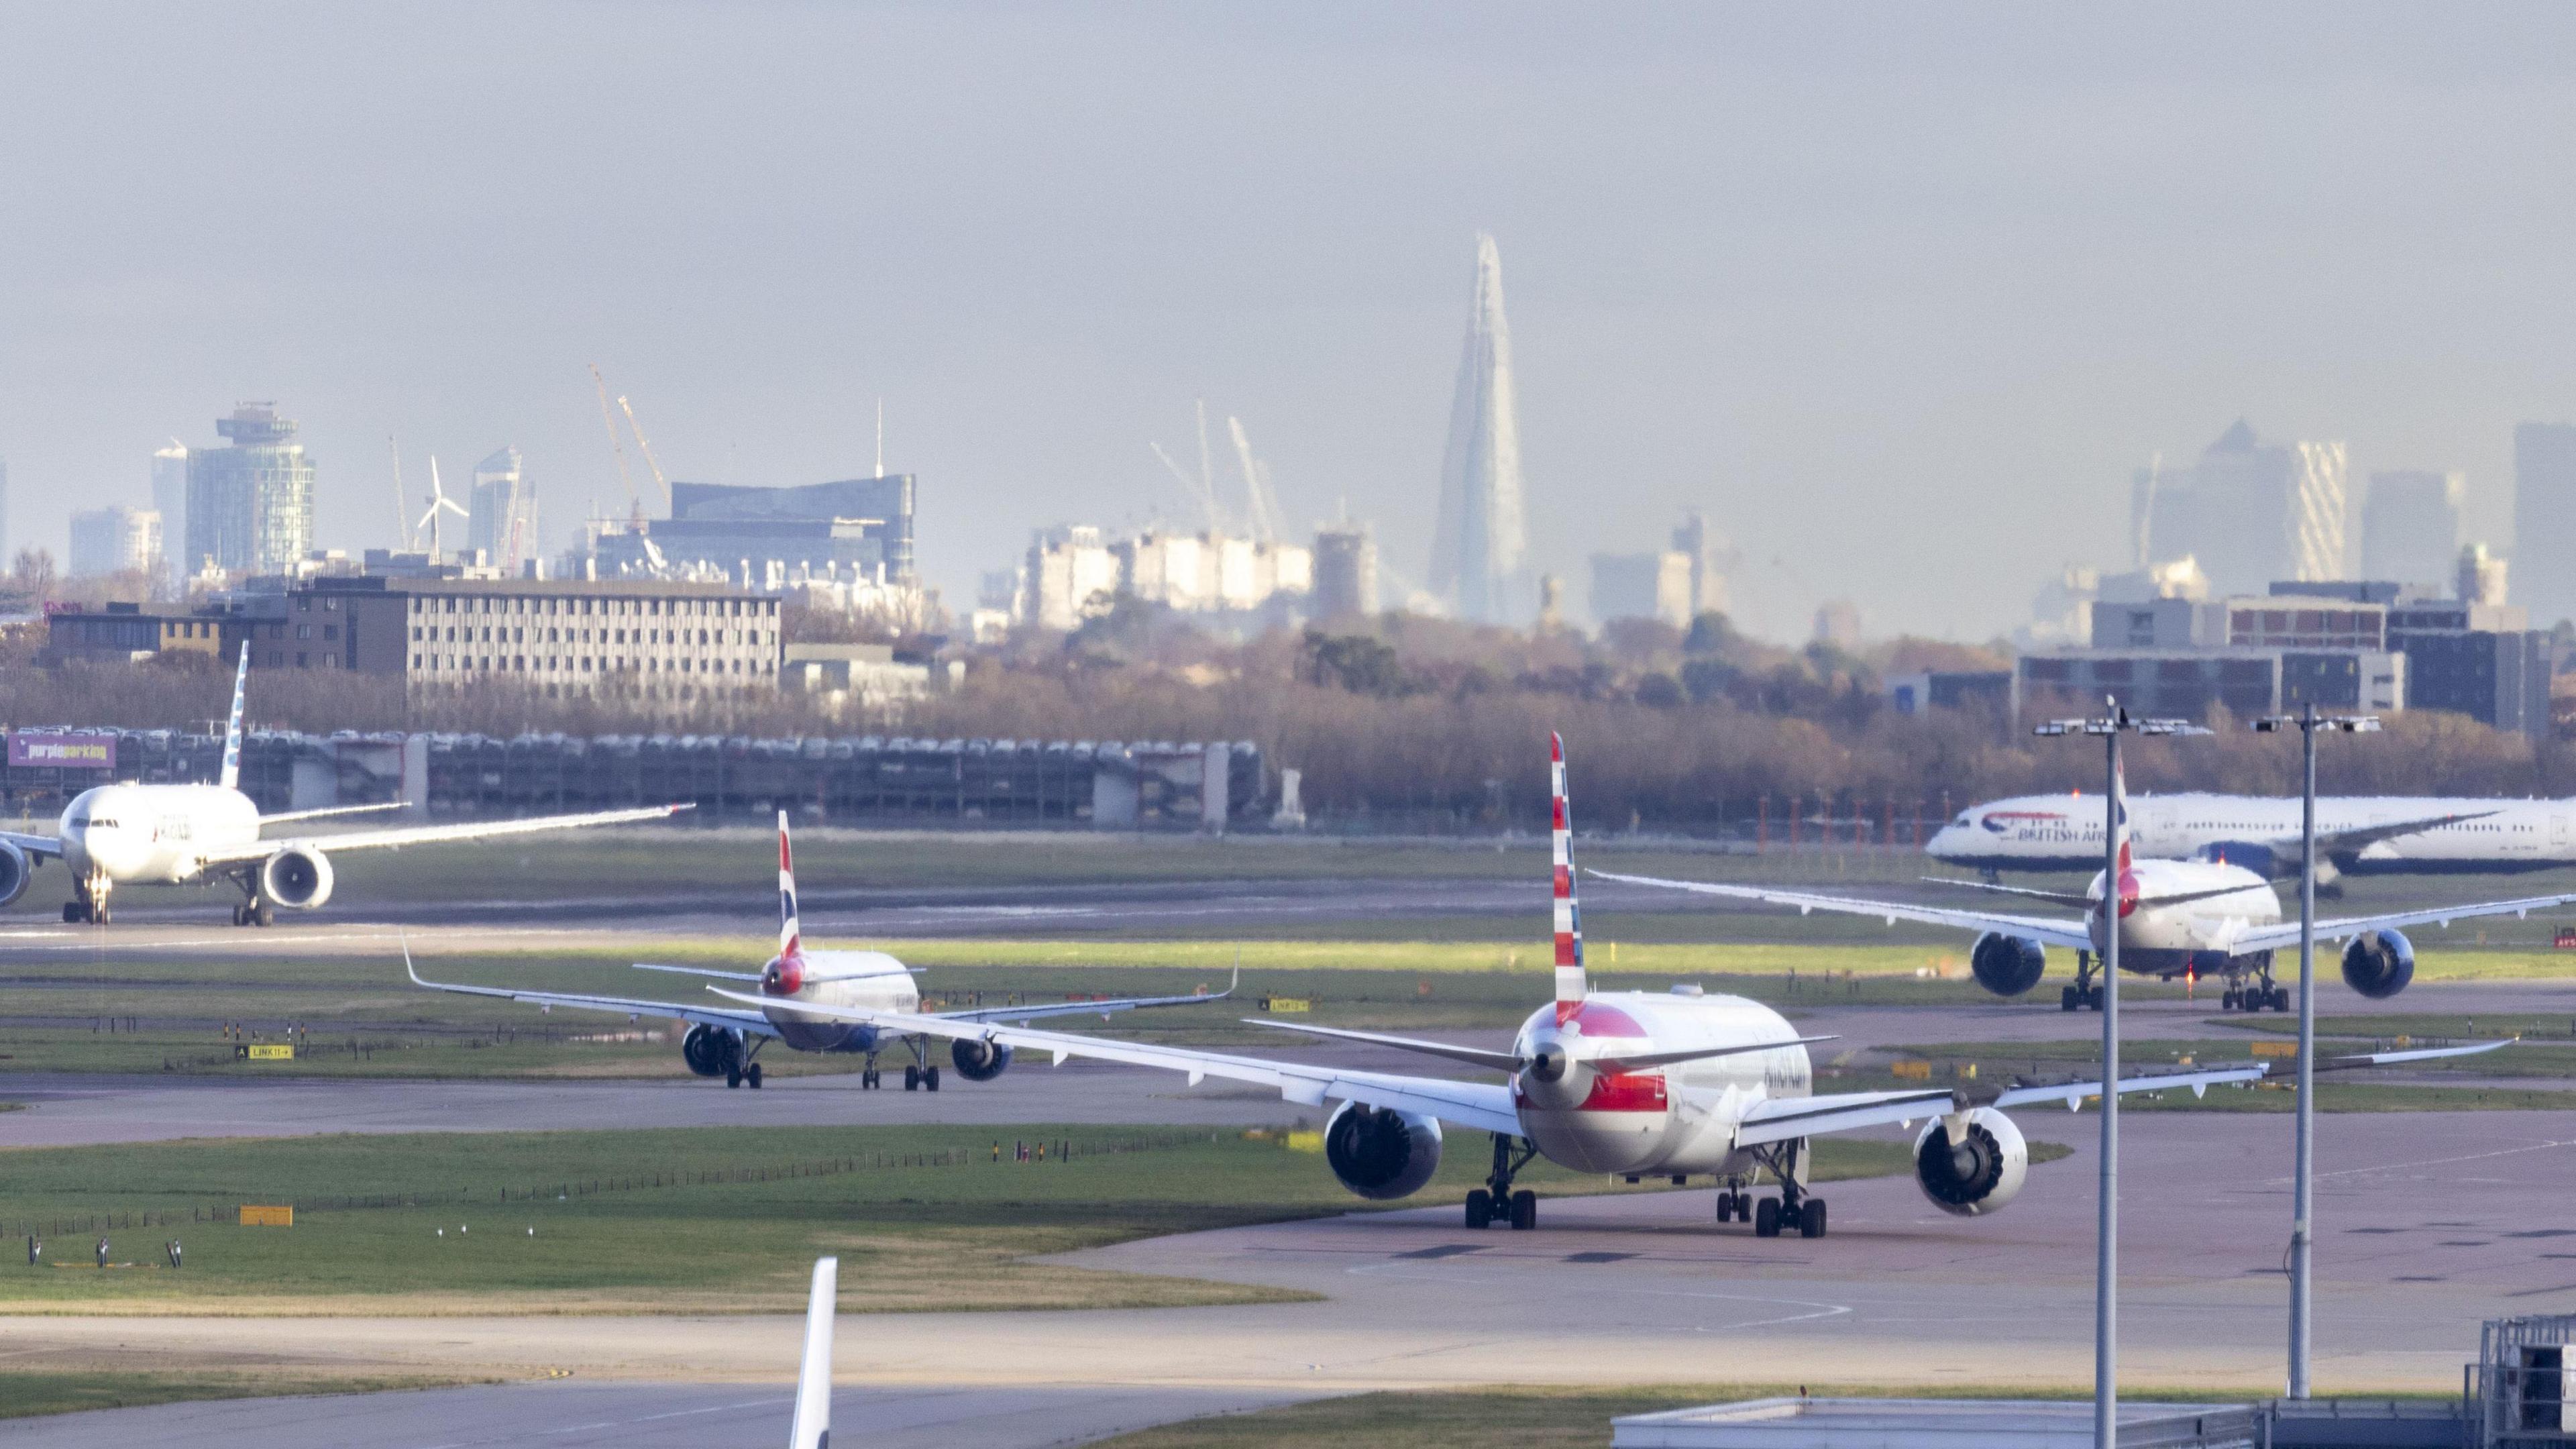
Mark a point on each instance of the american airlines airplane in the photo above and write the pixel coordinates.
(2356, 834)
(724, 1042)
(1635, 1083)
(134, 834)
(2193, 918)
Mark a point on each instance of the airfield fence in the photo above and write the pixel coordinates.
(1058, 1150)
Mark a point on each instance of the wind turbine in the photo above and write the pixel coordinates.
(438, 499)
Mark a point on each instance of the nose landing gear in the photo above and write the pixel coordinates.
(89, 900)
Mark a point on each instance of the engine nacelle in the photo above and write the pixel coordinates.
(2252, 855)
(15, 869)
(2378, 964)
(297, 876)
(2007, 965)
(1976, 1172)
(1381, 1153)
(711, 1051)
(979, 1061)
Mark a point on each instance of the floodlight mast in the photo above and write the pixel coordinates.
(2106, 1256)
(2303, 1174)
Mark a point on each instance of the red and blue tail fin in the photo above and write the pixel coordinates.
(790, 943)
(1570, 987)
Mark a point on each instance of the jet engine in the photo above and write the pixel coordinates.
(1380, 1153)
(979, 1061)
(2378, 964)
(1975, 1171)
(2007, 965)
(15, 868)
(297, 876)
(711, 1051)
(2252, 855)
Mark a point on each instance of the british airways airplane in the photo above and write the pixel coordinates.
(2356, 834)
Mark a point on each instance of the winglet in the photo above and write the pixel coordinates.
(813, 1424)
(408, 968)
(1570, 987)
(231, 777)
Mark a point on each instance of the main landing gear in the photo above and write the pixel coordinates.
(1794, 1210)
(2086, 993)
(2261, 996)
(746, 1072)
(253, 911)
(1496, 1201)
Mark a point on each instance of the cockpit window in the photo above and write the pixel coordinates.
(1963, 818)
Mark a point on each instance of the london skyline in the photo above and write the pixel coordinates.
(1749, 283)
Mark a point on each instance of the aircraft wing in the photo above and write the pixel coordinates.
(1777, 1119)
(2069, 934)
(40, 847)
(1086, 1008)
(328, 811)
(2363, 836)
(434, 834)
(2286, 933)
(751, 1022)
(1485, 1106)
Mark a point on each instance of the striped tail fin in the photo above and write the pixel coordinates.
(231, 778)
(790, 944)
(1570, 987)
(2124, 885)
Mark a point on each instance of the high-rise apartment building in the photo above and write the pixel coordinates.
(1703, 546)
(2410, 526)
(250, 505)
(170, 500)
(501, 512)
(1345, 572)
(1479, 552)
(116, 540)
(2544, 519)
(1642, 586)
(2249, 511)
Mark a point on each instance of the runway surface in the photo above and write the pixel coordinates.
(2428, 1224)
(637, 1416)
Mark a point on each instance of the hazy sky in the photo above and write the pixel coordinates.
(1899, 294)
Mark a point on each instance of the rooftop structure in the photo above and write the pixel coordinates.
(250, 505)
(2248, 510)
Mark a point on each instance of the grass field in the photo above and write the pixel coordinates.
(699, 1220)
(28, 1393)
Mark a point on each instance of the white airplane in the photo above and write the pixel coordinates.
(1632, 1083)
(796, 986)
(135, 834)
(2177, 918)
(2356, 834)
(812, 1426)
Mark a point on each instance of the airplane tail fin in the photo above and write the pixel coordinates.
(813, 1424)
(1570, 986)
(231, 779)
(789, 936)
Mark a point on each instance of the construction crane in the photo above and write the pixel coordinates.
(402, 504)
(1256, 485)
(646, 449)
(1198, 491)
(608, 420)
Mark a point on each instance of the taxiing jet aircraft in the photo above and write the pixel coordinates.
(2177, 918)
(2356, 835)
(799, 990)
(1629, 1082)
(133, 834)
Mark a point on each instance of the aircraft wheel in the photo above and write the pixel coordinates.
(1811, 1219)
(261, 915)
(751, 1075)
(98, 915)
(867, 1081)
(1524, 1210)
(912, 1079)
(733, 1076)
(1480, 1209)
(2280, 998)
(72, 913)
(2066, 998)
(930, 1079)
(1766, 1218)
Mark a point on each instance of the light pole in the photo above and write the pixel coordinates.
(2303, 1175)
(2115, 900)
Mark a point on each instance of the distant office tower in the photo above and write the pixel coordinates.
(2481, 580)
(1703, 545)
(855, 527)
(250, 506)
(501, 512)
(170, 500)
(2410, 526)
(1642, 586)
(1838, 624)
(2250, 512)
(2544, 519)
(1345, 573)
(115, 541)
(1479, 552)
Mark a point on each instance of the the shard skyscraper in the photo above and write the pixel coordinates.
(1479, 556)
